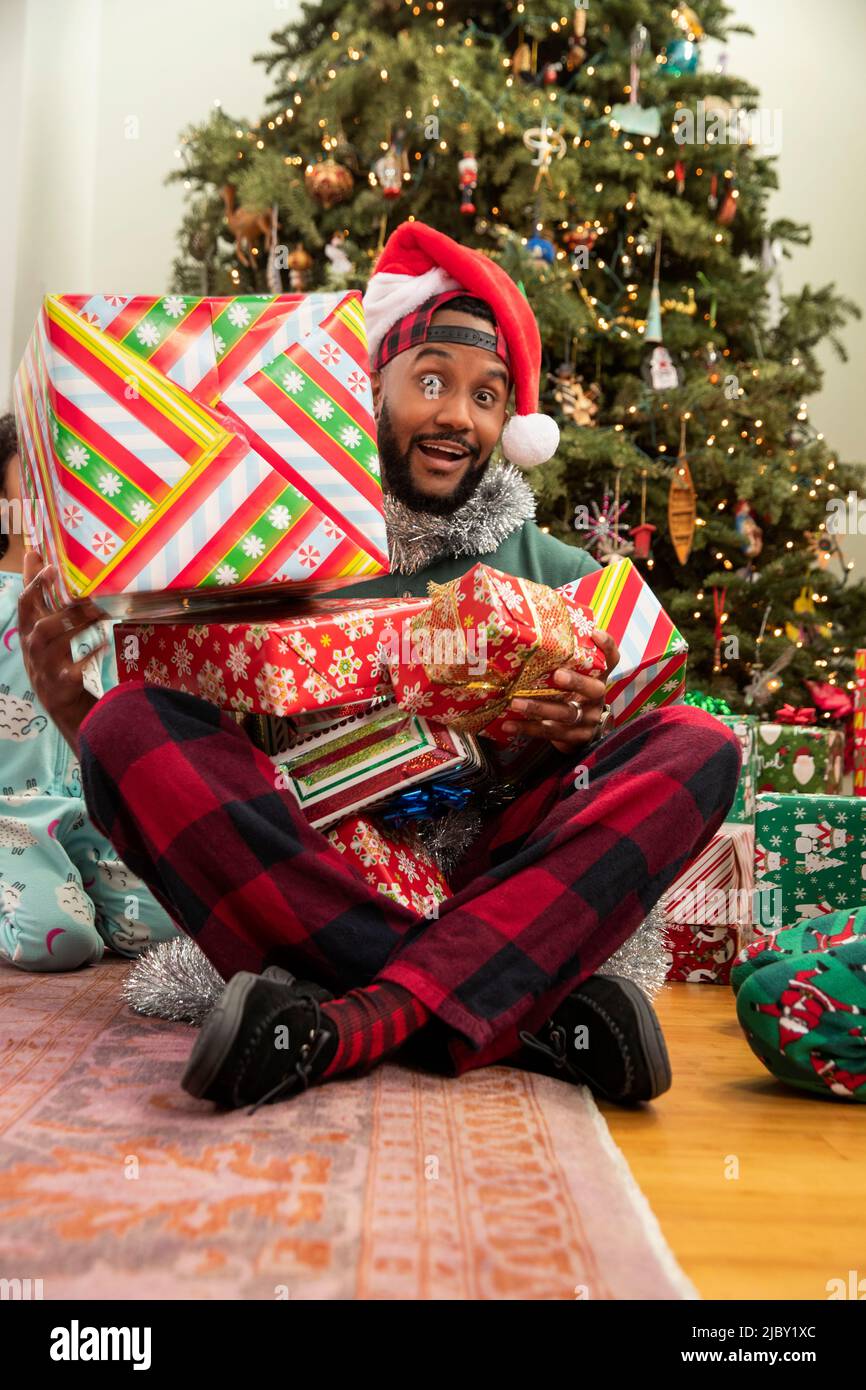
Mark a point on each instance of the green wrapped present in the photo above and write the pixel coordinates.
(810, 855)
(799, 758)
(745, 727)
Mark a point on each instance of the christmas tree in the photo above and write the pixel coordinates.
(594, 153)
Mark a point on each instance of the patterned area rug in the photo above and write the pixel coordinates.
(401, 1185)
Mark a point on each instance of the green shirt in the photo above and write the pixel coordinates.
(528, 553)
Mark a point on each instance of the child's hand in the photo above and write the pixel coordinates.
(45, 637)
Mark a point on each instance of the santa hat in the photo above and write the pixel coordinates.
(418, 262)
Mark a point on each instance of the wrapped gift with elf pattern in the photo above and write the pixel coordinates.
(183, 450)
(707, 911)
(391, 861)
(810, 855)
(745, 728)
(796, 757)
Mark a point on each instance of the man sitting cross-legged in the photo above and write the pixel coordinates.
(557, 880)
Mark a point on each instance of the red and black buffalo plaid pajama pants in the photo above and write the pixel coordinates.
(557, 881)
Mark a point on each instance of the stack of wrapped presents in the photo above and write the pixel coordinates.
(206, 470)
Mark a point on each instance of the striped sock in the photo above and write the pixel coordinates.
(369, 1023)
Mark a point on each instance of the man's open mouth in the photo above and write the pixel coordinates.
(444, 452)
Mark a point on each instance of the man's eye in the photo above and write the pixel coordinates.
(490, 398)
(432, 386)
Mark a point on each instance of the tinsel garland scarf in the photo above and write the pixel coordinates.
(175, 980)
(502, 501)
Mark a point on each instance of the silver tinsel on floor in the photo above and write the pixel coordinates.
(502, 501)
(175, 980)
(644, 957)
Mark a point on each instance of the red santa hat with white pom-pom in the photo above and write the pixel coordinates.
(418, 263)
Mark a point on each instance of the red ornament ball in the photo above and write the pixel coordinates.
(329, 183)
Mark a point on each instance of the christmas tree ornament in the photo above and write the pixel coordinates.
(634, 119)
(577, 43)
(654, 313)
(771, 264)
(299, 262)
(630, 116)
(328, 182)
(712, 363)
(467, 170)
(657, 368)
(579, 242)
(248, 225)
(390, 170)
(682, 504)
(685, 18)
(686, 306)
(750, 534)
(680, 177)
(603, 528)
(575, 56)
(766, 681)
(575, 402)
(541, 249)
(339, 263)
(728, 205)
(644, 531)
(681, 58)
(548, 144)
(713, 195)
(550, 74)
(524, 61)
(804, 607)
(345, 153)
(822, 547)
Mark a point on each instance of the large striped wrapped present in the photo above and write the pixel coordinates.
(652, 653)
(181, 449)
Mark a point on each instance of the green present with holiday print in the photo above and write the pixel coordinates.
(810, 856)
(799, 758)
(745, 728)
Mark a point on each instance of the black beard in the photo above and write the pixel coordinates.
(397, 474)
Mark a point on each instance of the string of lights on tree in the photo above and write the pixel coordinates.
(599, 258)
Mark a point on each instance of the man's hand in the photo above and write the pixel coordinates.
(45, 636)
(555, 720)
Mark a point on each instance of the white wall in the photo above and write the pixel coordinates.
(807, 61)
(85, 206)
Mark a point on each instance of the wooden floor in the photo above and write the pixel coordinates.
(796, 1215)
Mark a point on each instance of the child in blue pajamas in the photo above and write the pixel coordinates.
(64, 894)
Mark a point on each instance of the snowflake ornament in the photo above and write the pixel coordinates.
(604, 530)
